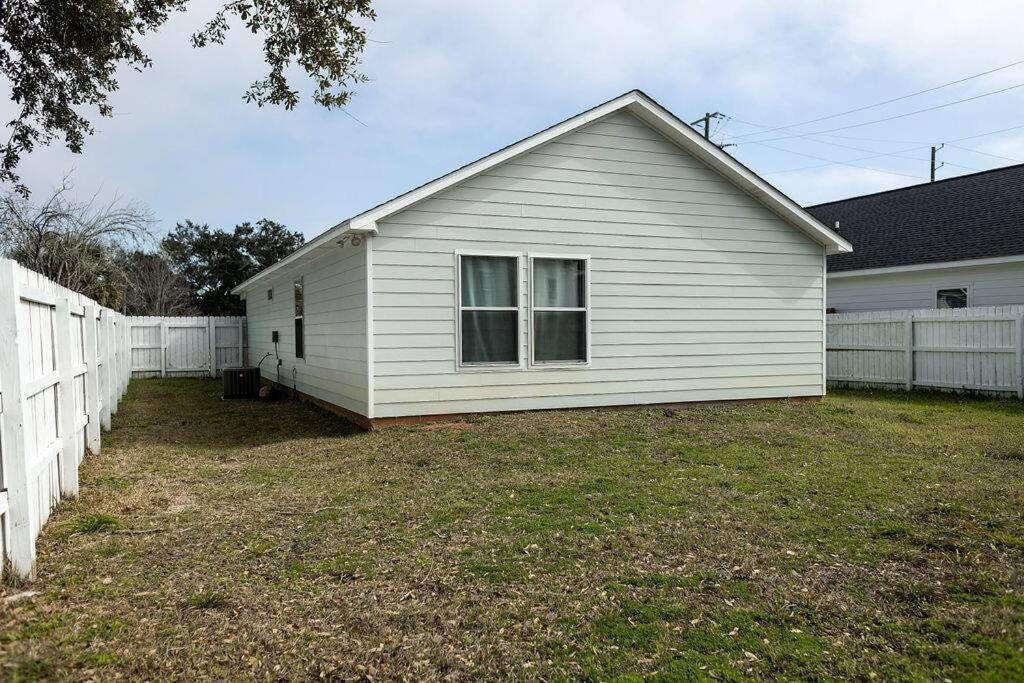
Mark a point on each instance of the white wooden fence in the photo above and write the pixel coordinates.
(186, 346)
(64, 365)
(967, 349)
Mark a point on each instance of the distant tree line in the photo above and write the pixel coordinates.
(107, 251)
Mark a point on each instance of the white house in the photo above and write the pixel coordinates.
(615, 258)
(949, 244)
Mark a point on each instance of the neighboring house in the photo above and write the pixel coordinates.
(614, 258)
(948, 244)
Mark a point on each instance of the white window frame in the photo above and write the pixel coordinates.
(559, 364)
(301, 282)
(970, 294)
(488, 367)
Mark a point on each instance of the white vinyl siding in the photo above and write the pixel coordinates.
(989, 285)
(334, 365)
(697, 291)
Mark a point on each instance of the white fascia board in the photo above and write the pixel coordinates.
(361, 222)
(966, 263)
(639, 104)
(336, 233)
(501, 156)
(661, 119)
(664, 121)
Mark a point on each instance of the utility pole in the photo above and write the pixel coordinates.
(707, 122)
(934, 167)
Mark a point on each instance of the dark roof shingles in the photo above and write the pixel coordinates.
(968, 217)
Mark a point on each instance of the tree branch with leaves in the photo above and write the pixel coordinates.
(61, 58)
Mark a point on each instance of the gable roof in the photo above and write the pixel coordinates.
(974, 216)
(633, 101)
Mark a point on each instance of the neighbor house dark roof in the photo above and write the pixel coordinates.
(968, 217)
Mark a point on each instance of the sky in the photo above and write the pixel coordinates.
(453, 80)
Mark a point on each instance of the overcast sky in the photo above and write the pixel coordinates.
(453, 80)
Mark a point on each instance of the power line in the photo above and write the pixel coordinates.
(900, 154)
(894, 99)
(889, 140)
(987, 154)
(834, 161)
(848, 162)
(827, 135)
(888, 118)
(991, 132)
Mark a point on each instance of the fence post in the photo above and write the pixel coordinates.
(131, 351)
(111, 357)
(115, 363)
(126, 353)
(66, 399)
(130, 343)
(21, 548)
(241, 345)
(1020, 354)
(120, 355)
(103, 349)
(211, 335)
(908, 333)
(163, 348)
(92, 382)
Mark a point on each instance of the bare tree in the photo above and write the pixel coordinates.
(153, 288)
(73, 242)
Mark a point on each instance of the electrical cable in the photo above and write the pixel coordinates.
(894, 99)
(888, 118)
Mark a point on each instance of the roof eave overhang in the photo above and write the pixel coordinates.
(937, 265)
(639, 104)
(337, 234)
(665, 122)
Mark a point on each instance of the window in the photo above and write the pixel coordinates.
(560, 311)
(270, 295)
(488, 310)
(300, 305)
(953, 297)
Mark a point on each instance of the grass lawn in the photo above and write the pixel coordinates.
(866, 536)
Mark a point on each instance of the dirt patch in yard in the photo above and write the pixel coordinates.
(869, 534)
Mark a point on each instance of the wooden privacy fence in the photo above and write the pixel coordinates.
(64, 365)
(966, 349)
(186, 346)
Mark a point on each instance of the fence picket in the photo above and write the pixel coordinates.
(971, 349)
(92, 383)
(188, 346)
(19, 550)
(63, 370)
(66, 399)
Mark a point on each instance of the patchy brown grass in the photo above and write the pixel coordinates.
(866, 535)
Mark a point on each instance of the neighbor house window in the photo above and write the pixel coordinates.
(300, 332)
(560, 310)
(953, 297)
(488, 310)
(270, 295)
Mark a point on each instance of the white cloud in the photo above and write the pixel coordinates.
(451, 81)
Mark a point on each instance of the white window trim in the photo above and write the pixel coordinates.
(968, 287)
(301, 281)
(560, 364)
(489, 367)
